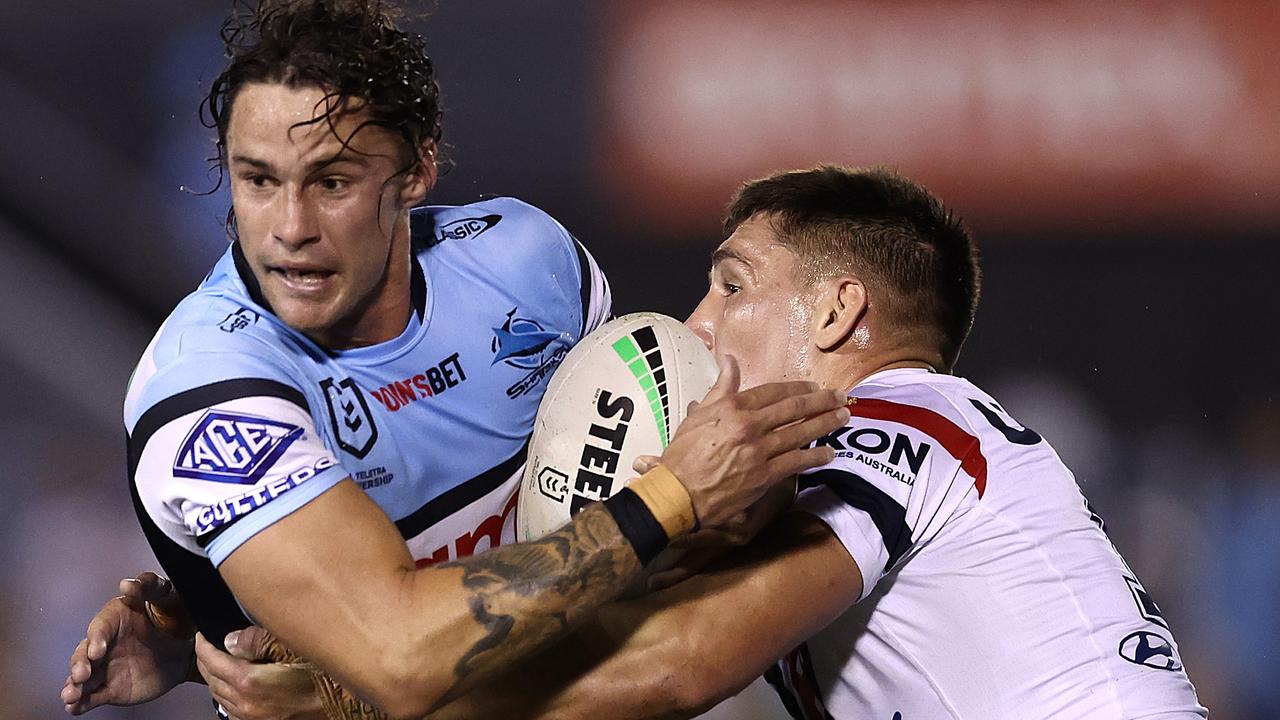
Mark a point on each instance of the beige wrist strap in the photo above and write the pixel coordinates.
(668, 500)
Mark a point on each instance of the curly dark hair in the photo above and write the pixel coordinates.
(352, 49)
(874, 220)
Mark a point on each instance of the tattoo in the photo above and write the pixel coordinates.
(528, 594)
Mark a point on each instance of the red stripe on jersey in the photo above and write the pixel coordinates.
(961, 445)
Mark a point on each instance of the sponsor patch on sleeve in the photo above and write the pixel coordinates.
(228, 510)
(233, 447)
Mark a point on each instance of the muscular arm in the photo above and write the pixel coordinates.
(335, 583)
(677, 652)
(408, 639)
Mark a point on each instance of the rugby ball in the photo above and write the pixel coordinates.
(620, 393)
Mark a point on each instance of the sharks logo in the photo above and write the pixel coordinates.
(520, 342)
(524, 344)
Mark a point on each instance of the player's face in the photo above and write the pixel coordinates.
(322, 229)
(755, 310)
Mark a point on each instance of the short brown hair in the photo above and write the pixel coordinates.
(874, 222)
(350, 49)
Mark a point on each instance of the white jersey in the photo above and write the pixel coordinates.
(989, 588)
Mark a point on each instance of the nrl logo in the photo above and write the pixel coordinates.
(349, 416)
(233, 447)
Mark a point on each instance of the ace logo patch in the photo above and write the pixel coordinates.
(233, 447)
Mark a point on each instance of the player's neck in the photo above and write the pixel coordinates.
(385, 314)
(848, 369)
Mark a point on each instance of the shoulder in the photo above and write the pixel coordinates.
(908, 426)
(936, 404)
(508, 243)
(505, 224)
(214, 344)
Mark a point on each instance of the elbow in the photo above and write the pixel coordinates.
(401, 705)
(401, 688)
(685, 684)
(695, 689)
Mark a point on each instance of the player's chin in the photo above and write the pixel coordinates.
(307, 316)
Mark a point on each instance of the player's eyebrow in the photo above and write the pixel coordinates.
(262, 165)
(724, 254)
(314, 166)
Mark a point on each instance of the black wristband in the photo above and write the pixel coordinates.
(637, 524)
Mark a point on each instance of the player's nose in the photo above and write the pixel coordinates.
(700, 322)
(295, 223)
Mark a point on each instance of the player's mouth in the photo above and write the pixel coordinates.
(301, 278)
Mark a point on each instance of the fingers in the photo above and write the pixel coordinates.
(645, 463)
(796, 461)
(82, 681)
(728, 380)
(155, 588)
(249, 644)
(80, 667)
(219, 671)
(806, 431)
(101, 633)
(789, 407)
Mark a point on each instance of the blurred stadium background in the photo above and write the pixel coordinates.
(1118, 162)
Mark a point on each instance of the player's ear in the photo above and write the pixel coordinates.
(421, 177)
(841, 306)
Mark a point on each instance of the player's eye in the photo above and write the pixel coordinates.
(333, 184)
(730, 288)
(257, 180)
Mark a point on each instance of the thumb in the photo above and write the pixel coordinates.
(249, 644)
(727, 382)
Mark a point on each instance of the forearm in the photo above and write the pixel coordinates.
(335, 583)
(520, 598)
(675, 653)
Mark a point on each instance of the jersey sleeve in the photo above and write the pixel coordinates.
(901, 471)
(595, 298)
(572, 267)
(217, 463)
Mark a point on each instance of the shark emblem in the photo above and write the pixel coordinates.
(520, 342)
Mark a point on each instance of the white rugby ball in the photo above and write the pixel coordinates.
(618, 394)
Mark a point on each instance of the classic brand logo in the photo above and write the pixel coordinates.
(466, 227)
(523, 343)
(233, 447)
(349, 416)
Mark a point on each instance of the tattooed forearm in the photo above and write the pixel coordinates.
(525, 595)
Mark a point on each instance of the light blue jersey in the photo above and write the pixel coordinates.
(236, 420)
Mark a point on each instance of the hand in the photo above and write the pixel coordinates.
(249, 686)
(125, 658)
(734, 444)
